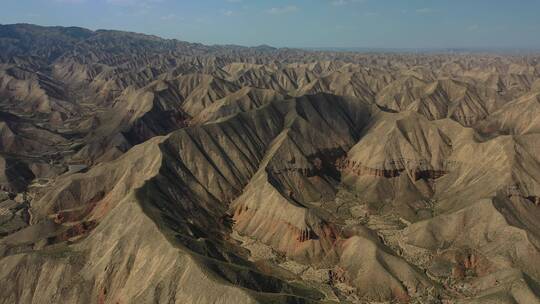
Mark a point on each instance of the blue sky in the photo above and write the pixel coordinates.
(301, 23)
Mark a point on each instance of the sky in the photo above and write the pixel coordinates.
(301, 23)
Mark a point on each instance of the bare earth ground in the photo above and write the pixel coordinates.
(135, 169)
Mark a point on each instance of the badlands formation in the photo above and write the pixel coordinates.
(136, 169)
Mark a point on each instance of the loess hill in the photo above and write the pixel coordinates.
(135, 169)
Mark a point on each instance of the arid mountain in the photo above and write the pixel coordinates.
(135, 169)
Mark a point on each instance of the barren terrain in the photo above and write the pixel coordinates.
(135, 169)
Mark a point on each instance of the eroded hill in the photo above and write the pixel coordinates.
(135, 169)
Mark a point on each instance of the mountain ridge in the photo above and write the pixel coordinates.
(137, 169)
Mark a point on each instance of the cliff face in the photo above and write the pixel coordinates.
(137, 169)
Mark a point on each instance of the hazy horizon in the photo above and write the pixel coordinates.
(336, 24)
(359, 49)
(291, 151)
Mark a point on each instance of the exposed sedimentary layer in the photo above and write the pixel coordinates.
(136, 169)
